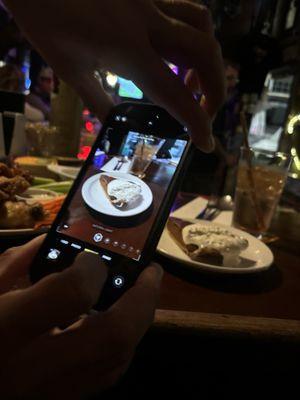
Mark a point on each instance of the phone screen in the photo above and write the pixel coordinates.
(121, 192)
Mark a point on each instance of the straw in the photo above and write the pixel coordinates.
(142, 149)
(258, 211)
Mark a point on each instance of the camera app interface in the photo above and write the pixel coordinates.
(122, 191)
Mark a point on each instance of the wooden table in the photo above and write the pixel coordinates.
(261, 306)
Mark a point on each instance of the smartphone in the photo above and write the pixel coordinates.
(121, 199)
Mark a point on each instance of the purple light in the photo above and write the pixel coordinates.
(174, 68)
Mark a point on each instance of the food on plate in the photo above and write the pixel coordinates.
(62, 187)
(119, 191)
(13, 186)
(51, 208)
(39, 180)
(16, 211)
(11, 172)
(13, 181)
(205, 243)
(19, 214)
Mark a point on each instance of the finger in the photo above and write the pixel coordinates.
(135, 320)
(196, 15)
(183, 44)
(53, 301)
(154, 77)
(192, 81)
(94, 96)
(193, 14)
(15, 262)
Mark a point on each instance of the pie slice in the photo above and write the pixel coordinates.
(207, 243)
(120, 192)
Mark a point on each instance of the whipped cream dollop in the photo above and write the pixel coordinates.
(212, 239)
(123, 191)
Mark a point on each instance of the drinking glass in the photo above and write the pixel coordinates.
(43, 140)
(145, 150)
(260, 181)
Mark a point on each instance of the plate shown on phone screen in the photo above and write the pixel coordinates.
(96, 197)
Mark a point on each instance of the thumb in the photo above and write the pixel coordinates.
(14, 263)
(53, 301)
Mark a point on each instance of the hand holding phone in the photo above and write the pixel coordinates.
(91, 352)
(120, 201)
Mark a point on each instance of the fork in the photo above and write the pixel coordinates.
(122, 161)
(117, 165)
(210, 211)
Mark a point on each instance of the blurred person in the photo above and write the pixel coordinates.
(130, 38)
(40, 94)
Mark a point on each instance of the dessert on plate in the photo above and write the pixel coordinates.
(120, 192)
(207, 243)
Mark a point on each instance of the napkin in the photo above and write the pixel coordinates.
(194, 208)
(111, 164)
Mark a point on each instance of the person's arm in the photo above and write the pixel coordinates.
(88, 353)
(130, 38)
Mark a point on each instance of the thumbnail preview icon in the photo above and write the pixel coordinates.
(53, 254)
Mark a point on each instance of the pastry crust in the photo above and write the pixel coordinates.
(175, 227)
(104, 181)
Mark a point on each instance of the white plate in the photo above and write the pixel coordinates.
(257, 253)
(64, 171)
(95, 197)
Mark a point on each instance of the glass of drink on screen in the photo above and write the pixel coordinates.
(260, 181)
(145, 150)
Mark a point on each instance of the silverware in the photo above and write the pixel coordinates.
(117, 166)
(122, 161)
(214, 207)
(211, 207)
(209, 213)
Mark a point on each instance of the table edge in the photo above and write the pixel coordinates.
(225, 325)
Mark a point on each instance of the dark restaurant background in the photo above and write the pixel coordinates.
(259, 39)
(260, 43)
